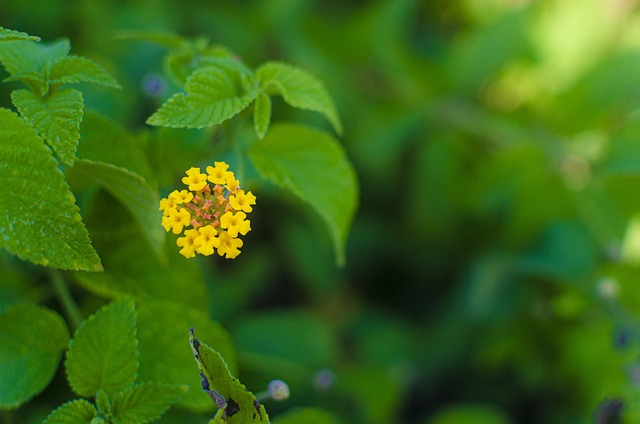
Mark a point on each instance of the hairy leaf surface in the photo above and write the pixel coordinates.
(57, 118)
(213, 95)
(19, 56)
(75, 69)
(299, 89)
(77, 411)
(313, 166)
(144, 402)
(32, 339)
(39, 220)
(103, 353)
(240, 405)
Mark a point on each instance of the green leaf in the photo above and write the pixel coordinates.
(161, 326)
(11, 35)
(39, 220)
(133, 193)
(306, 416)
(32, 339)
(20, 56)
(78, 411)
(104, 140)
(312, 165)
(144, 402)
(103, 403)
(214, 94)
(240, 405)
(103, 353)
(35, 78)
(262, 114)
(57, 118)
(75, 69)
(299, 89)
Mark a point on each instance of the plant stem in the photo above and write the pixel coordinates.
(64, 296)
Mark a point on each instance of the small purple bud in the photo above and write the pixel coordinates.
(154, 85)
(278, 390)
(324, 379)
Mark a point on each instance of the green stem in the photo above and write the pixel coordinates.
(64, 296)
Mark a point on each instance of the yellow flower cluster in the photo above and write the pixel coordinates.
(214, 207)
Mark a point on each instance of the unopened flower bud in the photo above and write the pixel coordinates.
(278, 390)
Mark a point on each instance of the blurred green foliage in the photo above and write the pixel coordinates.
(492, 268)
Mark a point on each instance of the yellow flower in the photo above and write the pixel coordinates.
(166, 205)
(176, 220)
(219, 174)
(235, 223)
(188, 243)
(229, 245)
(242, 201)
(232, 184)
(180, 197)
(194, 179)
(212, 213)
(207, 240)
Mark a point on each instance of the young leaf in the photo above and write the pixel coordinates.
(78, 411)
(261, 114)
(214, 94)
(20, 56)
(160, 324)
(104, 351)
(237, 405)
(144, 402)
(57, 118)
(32, 339)
(75, 69)
(11, 35)
(103, 402)
(306, 416)
(314, 167)
(299, 89)
(39, 220)
(133, 193)
(166, 39)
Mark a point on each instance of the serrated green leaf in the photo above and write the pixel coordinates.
(19, 56)
(306, 416)
(261, 114)
(12, 35)
(312, 165)
(57, 118)
(144, 402)
(241, 406)
(103, 353)
(103, 403)
(75, 69)
(133, 193)
(78, 411)
(161, 325)
(299, 89)
(214, 94)
(39, 220)
(32, 339)
(31, 78)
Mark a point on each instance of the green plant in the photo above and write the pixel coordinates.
(79, 196)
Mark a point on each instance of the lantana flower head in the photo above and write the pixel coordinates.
(212, 212)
